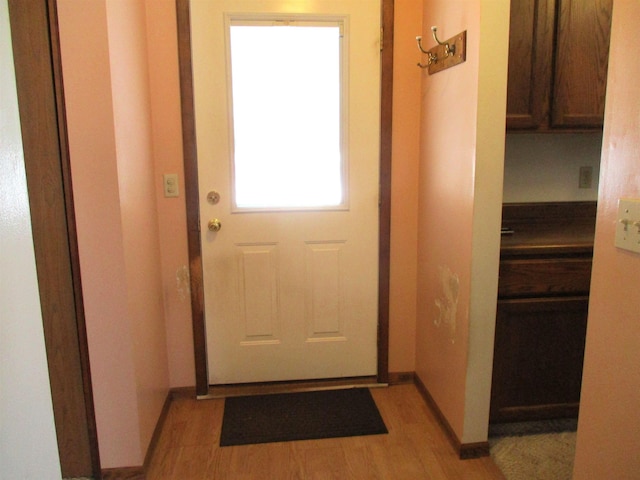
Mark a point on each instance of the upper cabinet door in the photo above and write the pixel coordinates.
(530, 62)
(583, 31)
(558, 58)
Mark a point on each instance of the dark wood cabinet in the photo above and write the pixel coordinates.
(538, 353)
(543, 297)
(581, 61)
(558, 58)
(530, 60)
(545, 276)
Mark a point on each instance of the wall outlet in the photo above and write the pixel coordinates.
(170, 183)
(585, 179)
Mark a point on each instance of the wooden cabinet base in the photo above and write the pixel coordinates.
(535, 412)
(538, 354)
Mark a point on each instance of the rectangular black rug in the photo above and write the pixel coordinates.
(286, 417)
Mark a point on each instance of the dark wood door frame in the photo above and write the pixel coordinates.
(34, 32)
(192, 195)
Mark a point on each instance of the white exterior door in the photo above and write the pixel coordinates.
(291, 275)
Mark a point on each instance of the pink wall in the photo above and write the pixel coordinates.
(113, 191)
(86, 70)
(172, 221)
(445, 215)
(135, 161)
(167, 139)
(106, 87)
(124, 121)
(460, 188)
(404, 186)
(609, 425)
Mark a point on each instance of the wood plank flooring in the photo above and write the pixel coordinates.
(415, 448)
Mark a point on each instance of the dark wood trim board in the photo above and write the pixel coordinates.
(124, 473)
(191, 193)
(386, 114)
(399, 378)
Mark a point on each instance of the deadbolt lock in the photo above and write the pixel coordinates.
(213, 197)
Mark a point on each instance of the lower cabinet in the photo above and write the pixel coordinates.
(543, 297)
(539, 348)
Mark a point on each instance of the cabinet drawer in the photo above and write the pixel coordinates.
(544, 277)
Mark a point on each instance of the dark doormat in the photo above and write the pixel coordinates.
(286, 417)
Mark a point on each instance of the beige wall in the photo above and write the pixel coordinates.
(545, 167)
(609, 425)
(460, 195)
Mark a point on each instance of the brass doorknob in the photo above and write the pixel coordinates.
(214, 225)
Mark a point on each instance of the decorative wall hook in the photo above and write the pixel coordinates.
(431, 57)
(445, 54)
(419, 40)
(448, 49)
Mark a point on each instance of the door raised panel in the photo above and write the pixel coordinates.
(324, 302)
(259, 292)
(582, 54)
(530, 60)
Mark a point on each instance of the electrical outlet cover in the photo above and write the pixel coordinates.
(170, 183)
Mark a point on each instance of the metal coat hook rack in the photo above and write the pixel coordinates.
(449, 53)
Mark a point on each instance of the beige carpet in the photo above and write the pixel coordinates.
(547, 456)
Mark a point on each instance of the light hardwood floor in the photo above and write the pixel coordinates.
(415, 448)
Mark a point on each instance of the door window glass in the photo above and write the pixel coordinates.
(286, 95)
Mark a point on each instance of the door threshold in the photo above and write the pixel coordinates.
(266, 388)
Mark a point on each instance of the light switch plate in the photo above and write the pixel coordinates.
(170, 182)
(628, 224)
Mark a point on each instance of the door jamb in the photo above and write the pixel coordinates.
(192, 200)
(38, 64)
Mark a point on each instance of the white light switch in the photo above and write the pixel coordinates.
(170, 181)
(628, 224)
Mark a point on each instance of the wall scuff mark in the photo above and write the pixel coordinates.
(183, 283)
(447, 302)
